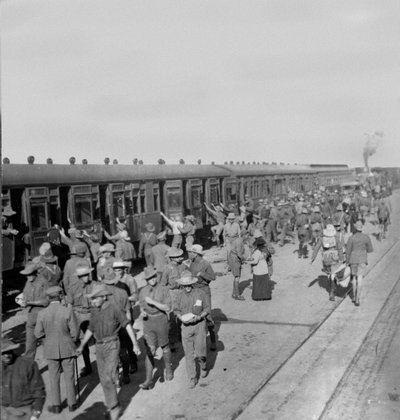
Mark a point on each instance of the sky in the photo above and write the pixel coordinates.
(294, 81)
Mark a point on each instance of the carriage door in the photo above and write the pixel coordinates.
(84, 206)
(194, 200)
(212, 195)
(8, 241)
(173, 202)
(37, 212)
(117, 206)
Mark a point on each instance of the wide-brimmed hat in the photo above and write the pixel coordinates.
(79, 248)
(175, 253)
(83, 271)
(282, 203)
(54, 291)
(99, 290)
(316, 209)
(150, 227)
(124, 235)
(107, 248)
(8, 211)
(162, 236)
(197, 249)
(358, 225)
(304, 210)
(231, 216)
(339, 207)
(329, 231)
(8, 345)
(30, 268)
(259, 241)
(149, 272)
(364, 194)
(187, 279)
(118, 264)
(46, 254)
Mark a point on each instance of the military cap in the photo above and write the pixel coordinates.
(8, 345)
(149, 272)
(174, 252)
(99, 290)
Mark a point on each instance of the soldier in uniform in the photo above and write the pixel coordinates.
(22, 388)
(231, 231)
(202, 270)
(106, 260)
(77, 299)
(124, 249)
(74, 240)
(77, 259)
(59, 326)
(147, 240)
(302, 225)
(194, 328)
(188, 230)
(159, 254)
(105, 322)
(219, 218)
(155, 305)
(35, 299)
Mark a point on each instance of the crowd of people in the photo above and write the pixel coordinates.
(92, 294)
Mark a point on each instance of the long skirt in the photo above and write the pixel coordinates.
(261, 287)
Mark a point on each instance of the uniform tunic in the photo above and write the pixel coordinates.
(193, 335)
(59, 326)
(34, 291)
(357, 249)
(105, 322)
(70, 269)
(23, 388)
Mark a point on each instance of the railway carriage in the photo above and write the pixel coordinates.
(85, 195)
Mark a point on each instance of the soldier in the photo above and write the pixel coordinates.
(332, 255)
(358, 247)
(192, 309)
(172, 272)
(302, 225)
(124, 249)
(285, 215)
(270, 229)
(147, 240)
(175, 224)
(74, 240)
(124, 278)
(51, 271)
(105, 322)
(159, 254)
(78, 300)
(236, 258)
(202, 269)
(231, 231)
(106, 260)
(188, 230)
(120, 298)
(23, 392)
(316, 222)
(219, 218)
(60, 328)
(155, 304)
(35, 299)
(77, 259)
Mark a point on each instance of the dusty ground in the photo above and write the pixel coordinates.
(254, 340)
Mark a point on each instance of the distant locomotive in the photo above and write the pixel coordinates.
(43, 195)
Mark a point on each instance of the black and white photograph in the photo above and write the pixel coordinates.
(200, 209)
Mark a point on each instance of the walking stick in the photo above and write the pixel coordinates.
(77, 380)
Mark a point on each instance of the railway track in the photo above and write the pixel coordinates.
(249, 408)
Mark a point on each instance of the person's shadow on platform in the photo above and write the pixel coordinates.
(324, 282)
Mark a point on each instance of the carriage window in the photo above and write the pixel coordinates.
(174, 199)
(118, 205)
(231, 192)
(214, 194)
(135, 200)
(128, 204)
(156, 199)
(38, 215)
(196, 197)
(83, 209)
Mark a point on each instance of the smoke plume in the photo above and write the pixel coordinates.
(371, 144)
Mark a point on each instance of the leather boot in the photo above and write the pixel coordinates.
(148, 383)
(167, 356)
(236, 291)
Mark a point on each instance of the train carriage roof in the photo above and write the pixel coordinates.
(15, 175)
(266, 169)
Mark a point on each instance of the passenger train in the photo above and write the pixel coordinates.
(43, 195)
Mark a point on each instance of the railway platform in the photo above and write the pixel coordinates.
(298, 356)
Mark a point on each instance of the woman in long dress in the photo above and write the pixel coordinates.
(261, 262)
